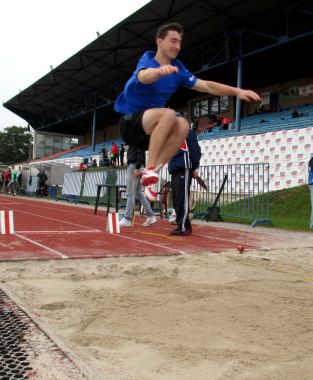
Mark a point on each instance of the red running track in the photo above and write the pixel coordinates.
(53, 230)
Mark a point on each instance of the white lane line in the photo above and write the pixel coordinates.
(12, 203)
(43, 246)
(65, 208)
(56, 220)
(146, 242)
(58, 232)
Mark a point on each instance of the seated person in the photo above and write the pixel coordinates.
(219, 122)
(195, 125)
(278, 108)
(212, 121)
(294, 113)
(225, 122)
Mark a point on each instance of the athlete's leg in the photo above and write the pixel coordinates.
(167, 132)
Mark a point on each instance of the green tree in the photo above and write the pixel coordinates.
(15, 145)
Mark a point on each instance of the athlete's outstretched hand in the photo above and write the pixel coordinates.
(248, 95)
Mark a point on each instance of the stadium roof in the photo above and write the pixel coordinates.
(273, 37)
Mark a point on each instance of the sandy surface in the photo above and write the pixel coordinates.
(207, 316)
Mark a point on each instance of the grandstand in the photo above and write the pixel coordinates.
(268, 122)
(266, 39)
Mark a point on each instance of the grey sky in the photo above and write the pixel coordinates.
(38, 33)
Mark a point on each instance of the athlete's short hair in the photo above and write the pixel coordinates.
(165, 28)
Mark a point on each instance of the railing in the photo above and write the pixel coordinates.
(244, 196)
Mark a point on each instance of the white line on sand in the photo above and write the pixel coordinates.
(146, 242)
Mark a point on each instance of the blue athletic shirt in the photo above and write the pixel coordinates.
(139, 97)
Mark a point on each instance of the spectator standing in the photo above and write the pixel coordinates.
(1, 178)
(13, 182)
(136, 160)
(19, 176)
(183, 167)
(104, 152)
(113, 154)
(90, 162)
(121, 153)
(42, 186)
(7, 179)
(147, 123)
(310, 184)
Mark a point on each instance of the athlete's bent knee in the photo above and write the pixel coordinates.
(169, 117)
(183, 126)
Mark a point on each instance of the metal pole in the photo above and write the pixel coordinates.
(93, 143)
(35, 145)
(238, 100)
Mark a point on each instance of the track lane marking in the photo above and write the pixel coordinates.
(215, 237)
(146, 242)
(56, 220)
(43, 246)
(34, 232)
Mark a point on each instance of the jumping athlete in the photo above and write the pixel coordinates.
(146, 122)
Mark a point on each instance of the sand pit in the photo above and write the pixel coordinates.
(205, 316)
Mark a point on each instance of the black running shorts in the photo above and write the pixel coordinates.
(132, 132)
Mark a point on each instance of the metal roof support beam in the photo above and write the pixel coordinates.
(239, 84)
(238, 100)
(94, 127)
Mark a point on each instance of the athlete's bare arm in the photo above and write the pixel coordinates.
(150, 75)
(220, 89)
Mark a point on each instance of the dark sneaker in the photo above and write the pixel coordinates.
(179, 232)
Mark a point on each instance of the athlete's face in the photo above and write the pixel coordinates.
(170, 45)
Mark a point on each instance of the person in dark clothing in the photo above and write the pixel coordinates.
(121, 153)
(42, 186)
(183, 167)
(1, 178)
(105, 156)
(294, 113)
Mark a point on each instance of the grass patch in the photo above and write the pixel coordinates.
(289, 209)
